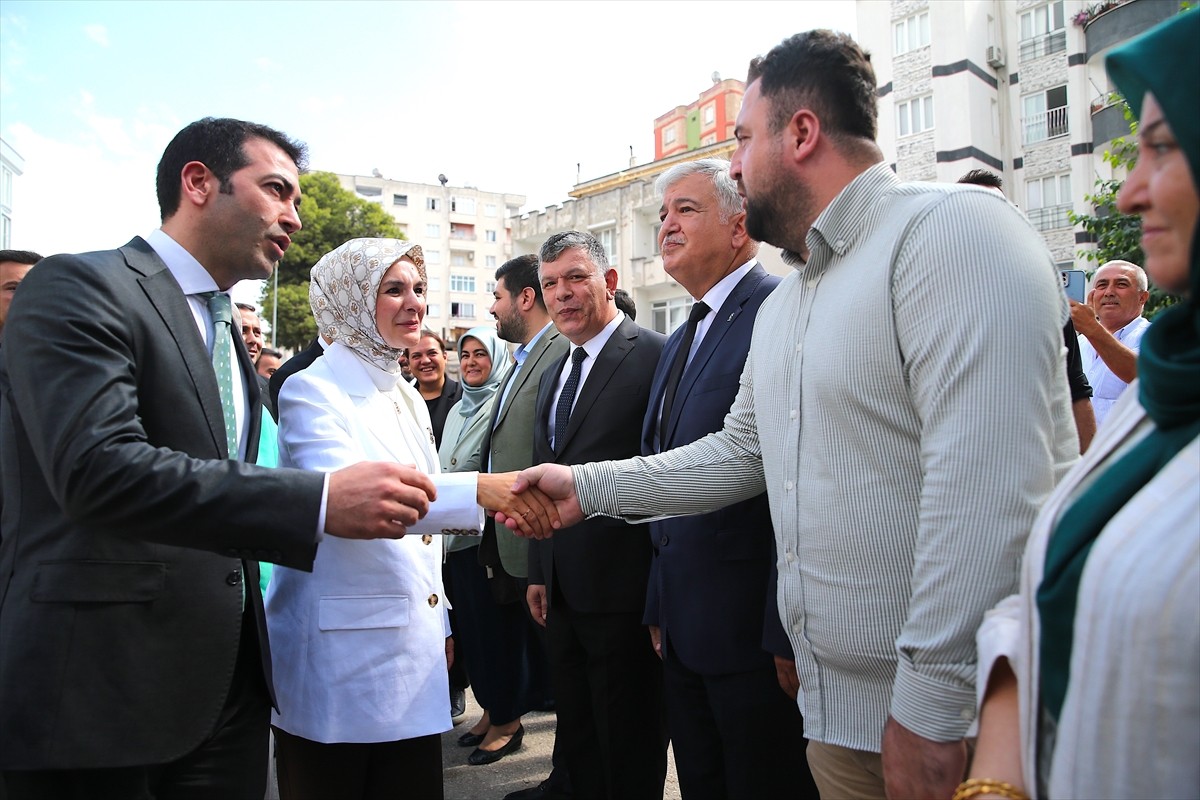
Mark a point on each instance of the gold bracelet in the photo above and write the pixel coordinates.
(977, 786)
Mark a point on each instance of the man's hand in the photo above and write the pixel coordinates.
(532, 510)
(1085, 320)
(914, 766)
(376, 500)
(789, 679)
(558, 484)
(656, 639)
(535, 597)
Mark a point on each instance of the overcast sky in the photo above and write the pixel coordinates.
(503, 96)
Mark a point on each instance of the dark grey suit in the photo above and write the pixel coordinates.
(129, 537)
(607, 680)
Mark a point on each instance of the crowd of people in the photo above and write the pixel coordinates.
(833, 537)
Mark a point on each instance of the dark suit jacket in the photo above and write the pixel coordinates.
(712, 579)
(129, 536)
(509, 444)
(290, 367)
(601, 564)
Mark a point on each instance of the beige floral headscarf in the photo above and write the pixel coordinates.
(343, 289)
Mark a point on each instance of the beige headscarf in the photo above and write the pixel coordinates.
(343, 289)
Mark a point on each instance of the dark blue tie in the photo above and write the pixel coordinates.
(562, 412)
(699, 311)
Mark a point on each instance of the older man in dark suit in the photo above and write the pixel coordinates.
(710, 603)
(133, 658)
(588, 584)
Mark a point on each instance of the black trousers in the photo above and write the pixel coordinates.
(410, 769)
(735, 736)
(608, 688)
(231, 763)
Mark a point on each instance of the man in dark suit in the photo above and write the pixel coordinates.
(521, 318)
(133, 658)
(297, 363)
(588, 584)
(710, 603)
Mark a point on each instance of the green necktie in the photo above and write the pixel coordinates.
(222, 358)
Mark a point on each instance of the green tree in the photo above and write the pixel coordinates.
(331, 216)
(1117, 235)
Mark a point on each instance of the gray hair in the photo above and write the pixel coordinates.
(717, 171)
(559, 243)
(1143, 283)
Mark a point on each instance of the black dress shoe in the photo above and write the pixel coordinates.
(469, 739)
(543, 791)
(458, 705)
(481, 757)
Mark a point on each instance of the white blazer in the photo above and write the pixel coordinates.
(358, 644)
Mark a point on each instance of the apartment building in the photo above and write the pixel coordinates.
(1014, 86)
(465, 233)
(11, 165)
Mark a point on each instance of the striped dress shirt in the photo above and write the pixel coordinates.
(905, 407)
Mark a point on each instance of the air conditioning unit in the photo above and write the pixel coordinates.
(995, 57)
(470, 255)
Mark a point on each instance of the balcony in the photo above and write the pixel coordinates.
(1051, 218)
(1047, 125)
(1125, 21)
(1044, 45)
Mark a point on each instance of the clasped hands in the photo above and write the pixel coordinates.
(377, 500)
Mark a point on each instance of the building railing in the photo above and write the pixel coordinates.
(1047, 125)
(1050, 218)
(1043, 45)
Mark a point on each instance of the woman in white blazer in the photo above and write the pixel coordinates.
(359, 645)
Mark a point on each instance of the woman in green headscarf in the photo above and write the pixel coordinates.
(1091, 676)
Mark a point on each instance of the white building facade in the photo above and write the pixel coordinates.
(1017, 87)
(465, 234)
(11, 165)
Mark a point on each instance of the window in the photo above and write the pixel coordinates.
(399, 199)
(710, 139)
(608, 238)
(710, 114)
(1048, 201)
(911, 33)
(432, 204)
(668, 136)
(462, 310)
(914, 116)
(657, 236)
(458, 258)
(462, 205)
(1044, 115)
(462, 283)
(369, 191)
(1043, 31)
(490, 236)
(667, 315)
(489, 210)
(434, 230)
(433, 256)
(434, 283)
(489, 261)
(432, 310)
(490, 287)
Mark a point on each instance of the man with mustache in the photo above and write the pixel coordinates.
(1110, 329)
(905, 432)
(133, 651)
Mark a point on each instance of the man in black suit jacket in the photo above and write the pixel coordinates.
(588, 583)
(300, 361)
(133, 659)
(710, 603)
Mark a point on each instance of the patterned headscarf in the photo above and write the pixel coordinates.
(343, 291)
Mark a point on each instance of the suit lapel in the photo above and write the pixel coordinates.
(163, 292)
(615, 350)
(726, 315)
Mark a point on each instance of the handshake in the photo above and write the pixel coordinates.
(374, 500)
